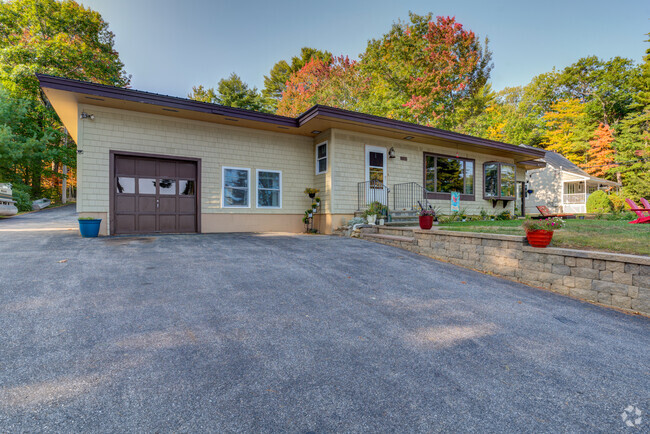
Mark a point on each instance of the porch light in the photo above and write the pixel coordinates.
(85, 115)
(409, 138)
(391, 153)
(316, 132)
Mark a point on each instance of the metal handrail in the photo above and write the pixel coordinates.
(409, 195)
(371, 191)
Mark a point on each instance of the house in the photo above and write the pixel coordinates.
(150, 163)
(562, 186)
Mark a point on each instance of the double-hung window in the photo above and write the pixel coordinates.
(269, 189)
(236, 188)
(498, 181)
(444, 174)
(321, 158)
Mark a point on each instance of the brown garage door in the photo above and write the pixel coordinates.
(154, 195)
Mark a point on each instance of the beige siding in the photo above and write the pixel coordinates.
(323, 181)
(349, 169)
(216, 146)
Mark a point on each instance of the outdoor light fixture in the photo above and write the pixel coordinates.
(316, 132)
(391, 153)
(85, 115)
(409, 138)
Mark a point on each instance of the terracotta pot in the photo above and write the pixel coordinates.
(539, 238)
(426, 221)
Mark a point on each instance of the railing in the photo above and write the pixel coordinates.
(369, 192)
(409, 196)
(574, 198)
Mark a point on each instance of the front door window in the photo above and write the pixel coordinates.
(376, 169)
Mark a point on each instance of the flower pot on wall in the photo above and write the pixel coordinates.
(426, 221)
(89, 228)
(539, 238)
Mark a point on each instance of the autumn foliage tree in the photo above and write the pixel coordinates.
(600, 156)
(427, 71)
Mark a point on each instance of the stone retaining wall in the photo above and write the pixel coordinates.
(612, 279)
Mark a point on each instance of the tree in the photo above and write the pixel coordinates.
(336, 82)
(427, 71)
(231, 92)
(58, 38)
(600, 156)
(603, 86)
(200, 93)
(568, 129)
(275, 82)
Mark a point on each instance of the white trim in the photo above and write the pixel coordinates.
(257, 195)
(223, 186)
(326, 158)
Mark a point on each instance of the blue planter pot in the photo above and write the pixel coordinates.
(89, 228)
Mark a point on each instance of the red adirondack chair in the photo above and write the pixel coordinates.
(645, 203)
(546, 213)
(641, 212)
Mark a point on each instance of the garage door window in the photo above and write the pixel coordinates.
(236, 191)
(186, 187)
(146, 186)
(269, 189)
(167, 186)
(125, 185)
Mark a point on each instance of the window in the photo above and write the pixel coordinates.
(269, 189)
(498, 181)
(125, 185)
(321, 158)
(444, 174)
(236, 191)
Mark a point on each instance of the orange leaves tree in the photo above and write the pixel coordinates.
(337, 82)
(600, 155)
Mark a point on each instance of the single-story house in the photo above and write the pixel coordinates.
(562, 186)
(150, 163)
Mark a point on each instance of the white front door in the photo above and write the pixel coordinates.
(376, 175)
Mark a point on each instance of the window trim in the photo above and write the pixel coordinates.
(444, 195)
(257, 189)
(223, 187)
(499, 197)
(326, 157)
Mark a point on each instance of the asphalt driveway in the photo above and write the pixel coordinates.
(245, 332)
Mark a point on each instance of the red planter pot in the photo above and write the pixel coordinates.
(539, 238)
(426, 221)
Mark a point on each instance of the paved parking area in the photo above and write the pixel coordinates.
(251, 332)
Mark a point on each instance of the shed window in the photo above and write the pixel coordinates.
(236, 191)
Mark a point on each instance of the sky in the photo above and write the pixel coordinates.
(169, 46)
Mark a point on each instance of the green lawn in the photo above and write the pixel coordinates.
(606, 235)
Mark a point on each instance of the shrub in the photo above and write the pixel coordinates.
(356, 221)
(21, 195)
(618, 202)
(505, 215)
(376, 208)
(549, 224)
(598, 202)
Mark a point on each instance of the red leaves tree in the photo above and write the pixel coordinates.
(600, 157)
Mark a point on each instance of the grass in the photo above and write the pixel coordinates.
(606, 235)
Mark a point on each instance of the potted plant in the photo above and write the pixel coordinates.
(89, 227)
(540, 232)
(314, 206)
(317, 200)
(426, 216)
(311, 192)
